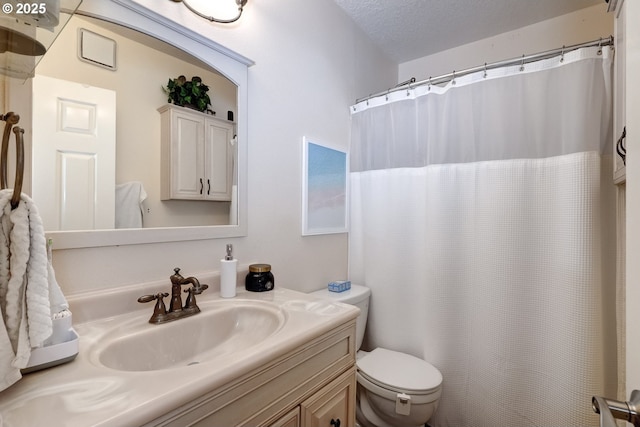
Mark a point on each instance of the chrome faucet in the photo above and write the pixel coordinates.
(176, 309)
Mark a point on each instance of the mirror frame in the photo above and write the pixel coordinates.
(229, 63)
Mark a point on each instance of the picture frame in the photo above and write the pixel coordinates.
(325, 189)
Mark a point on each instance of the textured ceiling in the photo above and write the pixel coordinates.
(410, 29)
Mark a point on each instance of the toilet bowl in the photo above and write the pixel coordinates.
(394, 388)
(397, 389)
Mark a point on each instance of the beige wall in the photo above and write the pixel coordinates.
(584, 25)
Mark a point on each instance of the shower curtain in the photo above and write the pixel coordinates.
(481, 219)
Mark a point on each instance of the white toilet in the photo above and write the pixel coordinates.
(394, 389)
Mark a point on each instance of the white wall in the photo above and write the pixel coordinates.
(584, 25)
(311, 63)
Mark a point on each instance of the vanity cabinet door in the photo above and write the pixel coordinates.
(334, 405)
(197, 155)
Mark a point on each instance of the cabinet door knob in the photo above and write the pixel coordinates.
(201, 186)
(208, 186)
(335, 423)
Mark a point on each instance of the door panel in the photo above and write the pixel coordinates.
(74, 147)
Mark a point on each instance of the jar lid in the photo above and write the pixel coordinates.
(259, 268)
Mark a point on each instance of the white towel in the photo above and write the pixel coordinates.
(129, 198)
(24, 286)
(59, 304)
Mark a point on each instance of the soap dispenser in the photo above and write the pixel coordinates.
(228, 274)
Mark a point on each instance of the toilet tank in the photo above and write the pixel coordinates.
(359, 296)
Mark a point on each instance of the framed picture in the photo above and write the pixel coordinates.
(324, 188)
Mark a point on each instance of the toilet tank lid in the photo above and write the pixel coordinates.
(356, 294)
(399, 371)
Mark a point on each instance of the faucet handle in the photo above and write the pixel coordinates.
(196, 289)
(160, 310)
(149, 298)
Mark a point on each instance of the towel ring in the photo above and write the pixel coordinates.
(12, 119)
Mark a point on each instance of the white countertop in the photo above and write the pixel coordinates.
(84, 393)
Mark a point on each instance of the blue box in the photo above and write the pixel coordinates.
(340, 286)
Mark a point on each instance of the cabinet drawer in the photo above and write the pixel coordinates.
(292, 419)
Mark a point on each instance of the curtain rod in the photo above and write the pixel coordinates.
(445, 78)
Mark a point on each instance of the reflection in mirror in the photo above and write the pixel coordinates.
(98, 159)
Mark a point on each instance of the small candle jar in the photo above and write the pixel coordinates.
(260, 278)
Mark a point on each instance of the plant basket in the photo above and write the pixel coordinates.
(188, 93)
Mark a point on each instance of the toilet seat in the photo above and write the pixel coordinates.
(398, 372)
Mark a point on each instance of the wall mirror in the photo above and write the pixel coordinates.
(148, 50)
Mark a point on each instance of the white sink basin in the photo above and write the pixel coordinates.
(129, 372)
(221, 328)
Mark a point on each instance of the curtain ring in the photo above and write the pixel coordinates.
(522, 63)
(453, 79)
(409, 89)
(600, 46)
(484, 76)
(386, 97)
(429, 85)
(562, 54)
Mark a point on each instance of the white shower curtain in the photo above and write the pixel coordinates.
(480, 219)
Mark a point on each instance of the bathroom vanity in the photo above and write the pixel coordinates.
(310, 386)
(279, 358)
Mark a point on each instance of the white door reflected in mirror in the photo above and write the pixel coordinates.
(74, 134)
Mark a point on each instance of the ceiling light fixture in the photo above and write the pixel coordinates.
(239, 3)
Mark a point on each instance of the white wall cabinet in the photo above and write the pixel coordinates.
(632, 194)
(197, 155)
(627, 104)
(619, 94)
